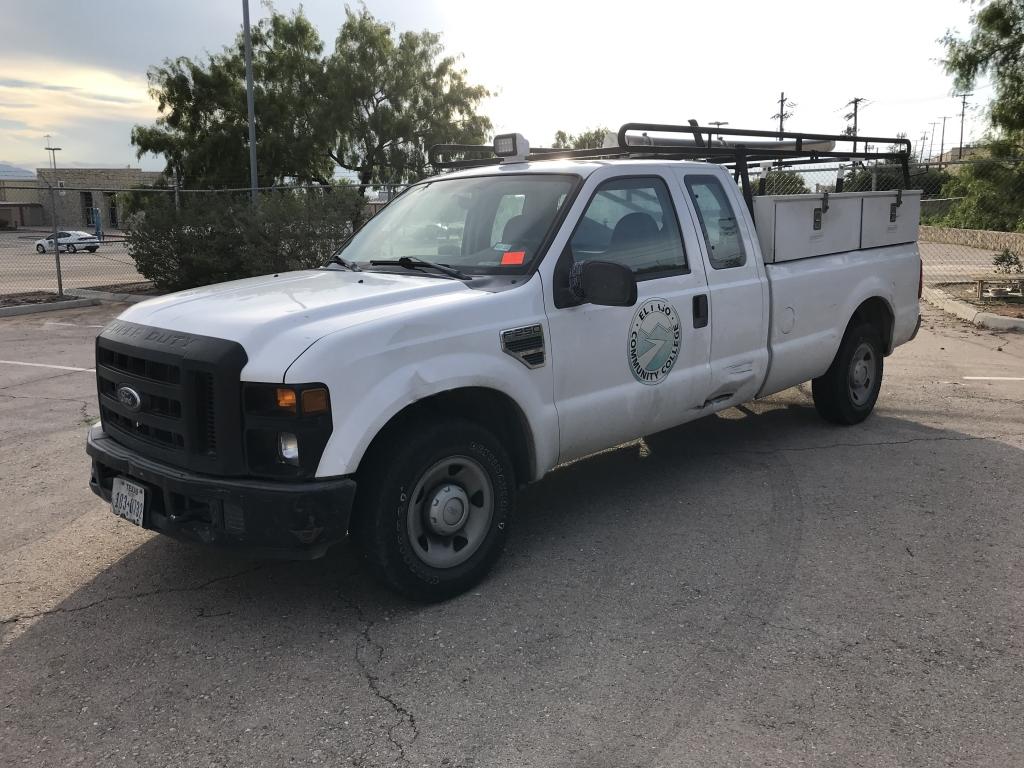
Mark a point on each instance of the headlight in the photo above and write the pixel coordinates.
(286, 428)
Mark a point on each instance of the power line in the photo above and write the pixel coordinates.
(782, 115)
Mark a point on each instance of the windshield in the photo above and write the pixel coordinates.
(484, 224)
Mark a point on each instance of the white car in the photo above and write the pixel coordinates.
(484, 327)
(71, 242)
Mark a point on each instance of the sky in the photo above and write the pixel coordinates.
(551, 65)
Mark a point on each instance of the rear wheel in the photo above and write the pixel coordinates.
(848, 390)
(91, 249)
(433, 508)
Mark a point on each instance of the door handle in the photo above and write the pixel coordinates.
(700, 311)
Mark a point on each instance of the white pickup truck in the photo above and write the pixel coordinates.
(486, 326)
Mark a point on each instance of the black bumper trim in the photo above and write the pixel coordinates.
(289, 520)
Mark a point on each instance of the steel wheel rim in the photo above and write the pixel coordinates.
(863, 372)
(436, 533)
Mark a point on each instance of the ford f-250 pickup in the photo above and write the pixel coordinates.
(489, 324)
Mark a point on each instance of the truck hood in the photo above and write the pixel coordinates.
(276, 317)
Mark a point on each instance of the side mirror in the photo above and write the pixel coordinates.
(608, 284)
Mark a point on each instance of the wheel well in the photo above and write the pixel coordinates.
(491, 409)
(876, 312)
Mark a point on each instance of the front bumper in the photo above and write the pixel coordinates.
(299, 520)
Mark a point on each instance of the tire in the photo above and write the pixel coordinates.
(91, 249)
(40, 249)
(71, 248)
(847, 391)
(454, 468)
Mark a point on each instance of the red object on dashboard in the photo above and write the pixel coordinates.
(512, 258)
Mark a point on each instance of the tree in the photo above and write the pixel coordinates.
(395, 98)
(995, 48)
(589, 139)
(202, 130)
(373, 106)
(928, 179)
(780, 183)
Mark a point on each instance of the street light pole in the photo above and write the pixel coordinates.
(250, 106)
(53, 204)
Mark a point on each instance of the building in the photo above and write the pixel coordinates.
(80, 194)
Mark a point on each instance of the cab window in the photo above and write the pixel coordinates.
(718, 222)
(632, 222)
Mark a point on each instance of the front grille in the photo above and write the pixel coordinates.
(172, 396)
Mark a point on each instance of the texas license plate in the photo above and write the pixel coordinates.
(128, 500)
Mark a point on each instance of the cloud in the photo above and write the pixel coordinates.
(10, 82)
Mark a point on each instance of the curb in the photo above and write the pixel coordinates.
(939, 298)
(52, 306)
(130, 298)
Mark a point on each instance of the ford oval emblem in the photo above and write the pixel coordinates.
(129, 398)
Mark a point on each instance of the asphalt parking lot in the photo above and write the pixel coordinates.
(756, 589)
(23, 270)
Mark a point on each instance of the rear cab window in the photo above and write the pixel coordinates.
(718, 222)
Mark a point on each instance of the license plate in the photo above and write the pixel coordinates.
(128, 500)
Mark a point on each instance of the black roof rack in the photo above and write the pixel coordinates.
(732, 147)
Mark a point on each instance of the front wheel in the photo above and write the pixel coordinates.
(433, 508)
(40, 248)
(71, 248)
(847, 391)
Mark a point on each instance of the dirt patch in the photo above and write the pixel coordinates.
(144, 288)
(32, 297)
(1007, 306)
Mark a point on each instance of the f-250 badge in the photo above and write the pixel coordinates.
(654, 338)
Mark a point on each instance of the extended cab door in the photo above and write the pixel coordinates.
(736, 282)
(623, 372)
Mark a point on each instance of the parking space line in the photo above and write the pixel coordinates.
(994, 378)
(47, 365)
(71, 325)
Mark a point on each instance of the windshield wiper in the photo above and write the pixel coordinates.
(415, 262)
(336, 259)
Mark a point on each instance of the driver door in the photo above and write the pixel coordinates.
(623, 372)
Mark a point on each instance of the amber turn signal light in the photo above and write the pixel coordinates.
(286, 399)
(314, 401)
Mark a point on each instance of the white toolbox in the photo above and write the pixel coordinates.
(791, 227)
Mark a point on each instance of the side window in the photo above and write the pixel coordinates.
(717, 221)
(632, 222)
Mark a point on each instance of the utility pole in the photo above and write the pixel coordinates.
(854, 102)
(782, 114)
(717, 124)
(56, 224)
(963, 111)
(924, 138)
(253, 178)
(931, 144)
(942, 141)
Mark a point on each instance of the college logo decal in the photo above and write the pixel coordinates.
(654, 338)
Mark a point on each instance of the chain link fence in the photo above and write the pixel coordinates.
(140, 237)
(120, 240)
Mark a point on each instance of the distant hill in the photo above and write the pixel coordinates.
(8, 171)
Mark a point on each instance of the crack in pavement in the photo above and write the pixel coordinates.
(136, 596)
(405, 716)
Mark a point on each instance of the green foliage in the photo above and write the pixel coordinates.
(995, 49)
(929, 179)
(1008, 263)
(373, 106)
(394, 98)
(990, 195)
(589, 139)
(780, 183)
(215, 237)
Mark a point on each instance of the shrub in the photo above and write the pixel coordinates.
(1008, 263)
(214, 237)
